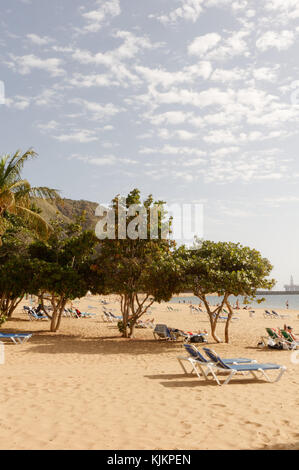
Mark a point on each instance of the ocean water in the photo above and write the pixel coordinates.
(271, 301)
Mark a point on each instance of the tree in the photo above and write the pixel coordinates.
(16, 270)
(140, 268)
(62, 263)
(226, 269)
(16, 280)
(17, 195)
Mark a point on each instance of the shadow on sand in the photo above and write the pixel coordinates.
(43, 342)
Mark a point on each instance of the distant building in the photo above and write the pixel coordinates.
(291, 287)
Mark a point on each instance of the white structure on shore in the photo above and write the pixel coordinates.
(291, 287)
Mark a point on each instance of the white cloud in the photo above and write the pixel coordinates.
(27, 63)
(156, 77)
(48, 126)
(170, 117)
(289, 9)
(97, 110)
(98, 17)
(79, 80)
(105, 160)
(114, 60)
(202, 44)
(18, 102)
(280, 40)
(78, 135)
(212, 47)
(172, 150)
(190, 10)
(38, 40)
(267, 74)
(229, 75)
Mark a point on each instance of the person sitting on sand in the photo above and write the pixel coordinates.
(289, 329)
(78, 312)
(39, 310)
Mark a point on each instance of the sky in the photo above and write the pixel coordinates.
(193, 101)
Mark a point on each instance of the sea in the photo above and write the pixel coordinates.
(271, 301)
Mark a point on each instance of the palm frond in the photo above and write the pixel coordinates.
(35, 221)
(45, 193)
(18, 161)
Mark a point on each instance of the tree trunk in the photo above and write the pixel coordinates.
(54, 320)
(58, 308)
(213, 329)
(213, 321)
(13, 306)
(132, 330)
(229, 317)
(125, 314)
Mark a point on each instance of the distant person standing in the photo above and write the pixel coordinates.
(287, 304)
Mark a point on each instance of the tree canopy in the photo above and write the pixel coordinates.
(140, 270)
(226, 269)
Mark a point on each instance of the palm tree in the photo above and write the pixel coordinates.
(17, 195)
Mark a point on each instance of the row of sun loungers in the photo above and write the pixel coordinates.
(68, 312)
(279, 337)
(273, 314)
(110, 317)
(212, 364)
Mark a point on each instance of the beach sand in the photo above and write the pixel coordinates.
(86, 388)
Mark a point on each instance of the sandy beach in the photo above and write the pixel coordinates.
(86, 388)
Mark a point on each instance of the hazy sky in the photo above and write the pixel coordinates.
(191, 100)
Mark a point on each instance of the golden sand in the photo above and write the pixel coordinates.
(86, 388)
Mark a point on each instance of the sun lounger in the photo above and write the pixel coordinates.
(145, 324)
(81, 314)
(34, 316)
(162, 331)
(267, 314)
(236, 360)
(276, 315)
(288, 337)
(107, 317)
(253, 369)
(17, 338)
(115, 317)
(198, 361)
(276, 340)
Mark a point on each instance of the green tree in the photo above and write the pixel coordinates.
(17, 195)
(227, 269)
(140, 268)
(62, 264)
(16, 270)
(16, 280)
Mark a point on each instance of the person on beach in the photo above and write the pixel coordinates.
(39, 310)
(78, 312)
(287, 304)
(289, 329)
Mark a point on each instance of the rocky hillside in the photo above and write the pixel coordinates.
(68, 210)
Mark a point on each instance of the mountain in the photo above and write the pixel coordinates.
(68, 210)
